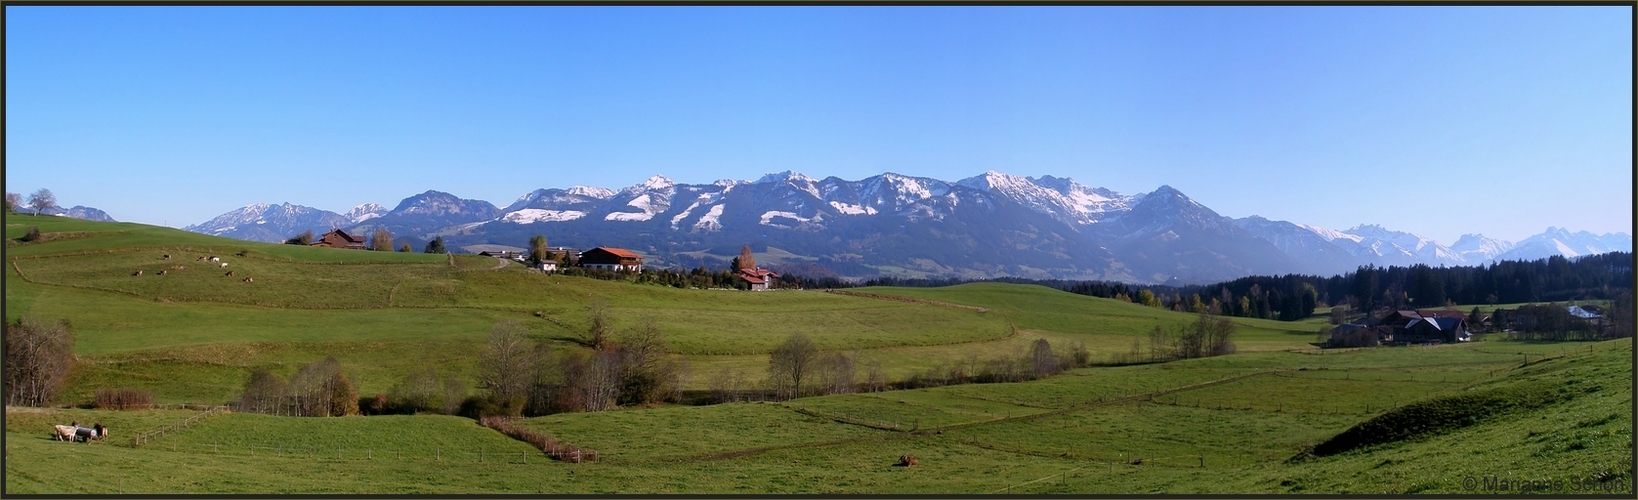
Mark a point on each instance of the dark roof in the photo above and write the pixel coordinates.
(1441, 313)
(1448, 323)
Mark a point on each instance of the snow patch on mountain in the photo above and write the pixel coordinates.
(767, 218)
(533, 215)
(709, 221)
(850, 209)
(365, 212)
(1331, 235)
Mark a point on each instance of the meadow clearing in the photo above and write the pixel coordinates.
(1242, 423)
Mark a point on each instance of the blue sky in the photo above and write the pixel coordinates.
(1434, 120)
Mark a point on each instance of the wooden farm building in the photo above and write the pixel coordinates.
(339, 239)
(616, 259)
(1425, 326)
(759, 279)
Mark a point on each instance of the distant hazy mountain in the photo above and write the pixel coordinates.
(1311, 250)
(989, 225)
(271, 223)
(430, 212)
(79, 212)
(1559, 241)
(1477, 249)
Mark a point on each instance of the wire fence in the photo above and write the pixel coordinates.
(141, 439)
(345, 454)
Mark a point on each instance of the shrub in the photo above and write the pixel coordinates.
(478, 407)
(123, 399)
(33, 234)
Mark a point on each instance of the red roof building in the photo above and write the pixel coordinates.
(615, 259)
(339, 239)
(759, 279)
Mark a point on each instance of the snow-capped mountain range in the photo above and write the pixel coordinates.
(989, 225)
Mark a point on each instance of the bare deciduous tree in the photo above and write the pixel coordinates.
(506, 367)
(14, 201)
(454, 392)
(727, 384)
(418, 391)
(836, 371)
(381, 241)
(1042, 361)
(322, 390)
(875, 376)
(42, 200)
(39, 355)
(599, 331)
(264, 393)
(791, 364)
(600, 381)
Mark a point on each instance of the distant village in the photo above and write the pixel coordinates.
(743, 271)
(1439, 326)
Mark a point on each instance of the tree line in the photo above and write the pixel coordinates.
(1295, 296)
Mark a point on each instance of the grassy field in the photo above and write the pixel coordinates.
(1242, 423)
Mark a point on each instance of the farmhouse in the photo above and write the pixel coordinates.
(759, 279)
(339, 239)
(617, 259)
(1425, 326)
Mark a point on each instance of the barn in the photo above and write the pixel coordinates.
(615, 259)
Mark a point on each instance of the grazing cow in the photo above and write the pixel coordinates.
(179, 267)
(63, 432)
(230, 273)
(87, 434)
(249, 280)
(906, 461)
(214, 259)
(224, 264)
(167, 256)
(161, 272)
(137, 273)
(201, 258)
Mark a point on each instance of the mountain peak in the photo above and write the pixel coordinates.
(788, 175)
(998, 181)
(654, 183)
(365, 212)
(592, 192)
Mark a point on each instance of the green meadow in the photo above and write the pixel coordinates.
(1248, 422)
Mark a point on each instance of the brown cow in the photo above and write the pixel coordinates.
(201, 258)
(906, 461)
(249, 280)
(167, 256)
(230, 273)
(161, 272)
(137, 273)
